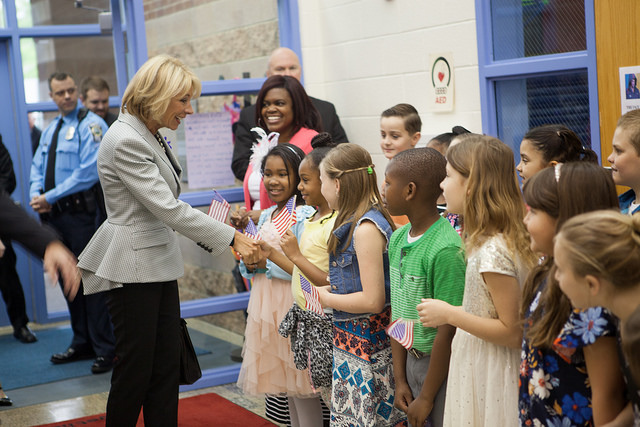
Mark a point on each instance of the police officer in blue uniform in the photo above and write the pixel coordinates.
(63, 190)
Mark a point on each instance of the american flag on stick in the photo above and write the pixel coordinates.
(402, 331)
(251, 231)
(286, 217)
(311, 297)
(219, 208)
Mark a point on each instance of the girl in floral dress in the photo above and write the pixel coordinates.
(569, 372)
(362, 387)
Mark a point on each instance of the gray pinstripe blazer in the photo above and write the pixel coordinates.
(137, 243)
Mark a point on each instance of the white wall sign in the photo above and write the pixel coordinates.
(209, 144)
(441, 96)
(629, 92)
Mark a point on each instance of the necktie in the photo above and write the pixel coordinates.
(50, 174)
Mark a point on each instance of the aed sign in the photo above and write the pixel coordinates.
(441, 83)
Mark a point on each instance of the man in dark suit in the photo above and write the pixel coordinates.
(10, 285)
(285, 62)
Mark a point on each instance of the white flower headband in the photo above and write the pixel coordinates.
(261, 148)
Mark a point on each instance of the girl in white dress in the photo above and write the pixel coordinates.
(482, 388)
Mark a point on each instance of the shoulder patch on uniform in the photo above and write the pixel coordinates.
(96, 131)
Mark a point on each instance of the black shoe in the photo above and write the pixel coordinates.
(71, 355)
(5, 401)
(101, 365)
(24, 334)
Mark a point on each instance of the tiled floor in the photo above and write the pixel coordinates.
(93, 392)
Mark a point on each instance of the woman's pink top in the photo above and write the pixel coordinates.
(301, 139)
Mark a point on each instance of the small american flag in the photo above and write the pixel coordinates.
(219, 208)
(311, 297)
(286, 218)
(251, 231)
(402, 331)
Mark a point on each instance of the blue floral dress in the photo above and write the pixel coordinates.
(554, 385)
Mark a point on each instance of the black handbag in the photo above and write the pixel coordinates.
(189, 367)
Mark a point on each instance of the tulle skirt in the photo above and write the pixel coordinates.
(267, 360)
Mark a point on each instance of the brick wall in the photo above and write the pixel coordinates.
(158, 8)
(214, 37)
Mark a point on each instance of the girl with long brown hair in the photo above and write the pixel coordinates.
(481, 184)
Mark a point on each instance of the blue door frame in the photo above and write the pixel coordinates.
(129, 20)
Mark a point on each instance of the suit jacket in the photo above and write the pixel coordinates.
(16, 224)
(141, 183)
(244, 138)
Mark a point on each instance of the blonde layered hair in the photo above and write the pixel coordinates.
(151, 89)
(352, 166)
(494, 203)
(606, 244)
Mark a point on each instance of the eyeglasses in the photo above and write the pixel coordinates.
(70, 91)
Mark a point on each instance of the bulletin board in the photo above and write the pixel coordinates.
(209, 145)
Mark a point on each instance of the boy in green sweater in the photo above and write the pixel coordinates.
(426, 260)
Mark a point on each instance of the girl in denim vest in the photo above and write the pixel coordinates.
(362, 388)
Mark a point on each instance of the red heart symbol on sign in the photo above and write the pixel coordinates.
(440, 75)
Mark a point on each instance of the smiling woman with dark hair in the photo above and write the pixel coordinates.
(283, 107)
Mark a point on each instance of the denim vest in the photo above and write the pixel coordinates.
(344, 273)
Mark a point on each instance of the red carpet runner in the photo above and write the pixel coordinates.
(198, 411)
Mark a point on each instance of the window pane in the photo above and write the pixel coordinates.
(231, 48)
(206, 158)
(3, 21)
(43, 56)
(523, 28)
(58, 12)
(523, 104)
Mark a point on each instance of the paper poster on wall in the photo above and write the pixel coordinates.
(441, 83)
(629, 93)
(209, 144)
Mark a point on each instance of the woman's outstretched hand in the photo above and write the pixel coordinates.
(248, 248)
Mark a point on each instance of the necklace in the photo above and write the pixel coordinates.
(159, 139)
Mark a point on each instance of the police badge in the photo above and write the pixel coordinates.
(96, 131)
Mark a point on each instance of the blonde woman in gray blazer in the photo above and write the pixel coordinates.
(135, 256)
